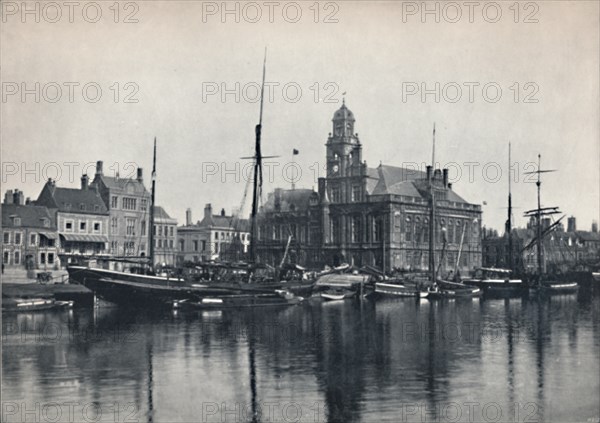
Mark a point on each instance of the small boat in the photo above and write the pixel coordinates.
(496, 282)
(555, 288)
(448, 290)
(34, 304)
(337, 294)
(397, 289)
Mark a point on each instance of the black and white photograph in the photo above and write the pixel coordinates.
(300, 211)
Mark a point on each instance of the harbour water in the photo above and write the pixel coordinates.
(477, 360)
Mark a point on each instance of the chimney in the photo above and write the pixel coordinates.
(595, 227)
(18, 197)
(8, 197)
(277, 198)
(445, 177)
(450, 185)
(99, 168)
(428, 172)
(140, 173)
(571, 224)
(27, 201)
(85, 180)
(208, 211)
(223, 212)
(188, 217)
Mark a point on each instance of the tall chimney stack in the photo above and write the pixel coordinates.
(85, 180)
(8, 197)
(571, 224)
(445, 177)
(188, 217)
(208, 211)
(428, 172)
(18, 197)
(99, 171)
(140, 174)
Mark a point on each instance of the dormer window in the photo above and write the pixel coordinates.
(16, 221)
(45, 222)
(81, 206)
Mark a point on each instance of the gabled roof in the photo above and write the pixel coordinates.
(392, 180)
(120, 184)
(219, 221)
(71, 200)
(160, 213)
(289, 200)
(32, 216)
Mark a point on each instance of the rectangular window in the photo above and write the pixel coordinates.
(32, 239)
(143, 228)
(356, 229)
(181, 245)
(335, 230)
(408, 229)
(160, 231)
(129, 203)
(130, 225)
(42, 258)
(356, 193)
(17, 238)
(143, 204)
(5, 257)
(17, 221)
(195, 245)
(377, 229)
(335, 194)
(114, 202)
(171, 243)
(46, 222)
(50, 258)
(203, 245)
(160, 244)
(82, 226)
(97, 227)
(69, 226)
(17, 257)
(114, 225)
(7, 237)
(171, 231)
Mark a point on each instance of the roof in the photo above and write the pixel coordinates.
(343, 113)
(120, 184)
(220, 221)
(32, 216)
(401, 181)
(588, 236)
(289, 200)
(71, 200)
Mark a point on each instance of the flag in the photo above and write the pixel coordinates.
(295, 152)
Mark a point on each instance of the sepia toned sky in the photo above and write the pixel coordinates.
(187, 73)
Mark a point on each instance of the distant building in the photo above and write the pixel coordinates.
(30, 239)
(165, 238)
(81, 219)
(128, 203)
(369, 216)
(562, 250)
(216, 237)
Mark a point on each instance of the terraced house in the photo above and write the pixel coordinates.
(128, 204)
(81, 220)
(30, 239)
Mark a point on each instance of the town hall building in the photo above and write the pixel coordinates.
(368, 216)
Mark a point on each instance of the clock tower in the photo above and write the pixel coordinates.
(345, 170)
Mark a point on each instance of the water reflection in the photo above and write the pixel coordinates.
(399, 360)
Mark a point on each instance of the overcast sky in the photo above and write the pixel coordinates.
(178, 54)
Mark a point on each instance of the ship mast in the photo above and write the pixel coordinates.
(539, 220)
(257, 182)
(509, 220)
(432, 215)
(151, 226)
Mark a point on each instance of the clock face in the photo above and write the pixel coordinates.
(335, 168)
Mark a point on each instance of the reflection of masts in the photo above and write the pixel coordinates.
(253, 390)
(150, 384)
